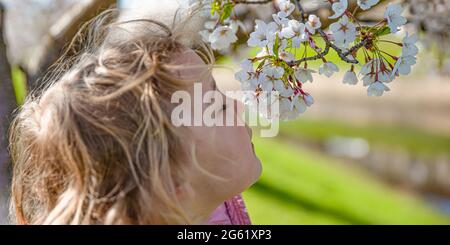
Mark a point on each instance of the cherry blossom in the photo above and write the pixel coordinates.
(287, 111)
(216, 33)
(205, 34)
(235, 24)
(350, 78)
(384, 76)
(286, 8)
(250, 98)
(313, 24)
(296, 31)
(368, 79)
(377, 89)
(409, 45)
(250, 85)
(344, 32)
(248, 78)
(282, 89)
(367, 68)
(262, 34)
(309, 100)
(245, 74)
(280, 21)
(286, 56)
(366, 4)
(289, 44)
(272, 74)
(304, 75)
(339, 8)
(298, 104)
(403, 65)
(210, 25)
(393, 16)
(264, 52)
(266, 84)
(282, 53)
(222, 37)
(327, 69)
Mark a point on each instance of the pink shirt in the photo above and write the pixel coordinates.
(231, 212)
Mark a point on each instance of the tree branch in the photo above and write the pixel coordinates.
(343, 55)
(301, 9)
(315, 57)
(7, 105)
(339, 51)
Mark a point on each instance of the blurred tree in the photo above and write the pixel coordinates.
(7, 105)
(62, 32)
(37, 41)
(432, 19)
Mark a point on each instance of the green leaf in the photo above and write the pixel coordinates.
(226, 13)
(260, 65)
(383, 31)
(276, 45)
(289, 70)
(215, 6)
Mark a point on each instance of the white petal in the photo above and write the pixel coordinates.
(377, 89)
(366, 4)
(309, 100)
(350, 78)
(296, 41)
(281, 88)
(287, 32)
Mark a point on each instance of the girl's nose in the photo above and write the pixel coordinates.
(249, 131)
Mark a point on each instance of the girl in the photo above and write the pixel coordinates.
(96, 144)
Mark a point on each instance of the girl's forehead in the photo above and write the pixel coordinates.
(188, 57)
(192, 66)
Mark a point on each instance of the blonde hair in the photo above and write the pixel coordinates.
(95, 144)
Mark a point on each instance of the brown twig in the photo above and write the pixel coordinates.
(315, 57)
(342, 54)
(301, 9)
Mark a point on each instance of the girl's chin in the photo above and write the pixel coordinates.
(257, 170)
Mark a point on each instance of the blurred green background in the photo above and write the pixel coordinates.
(303, 186)
(351, 159)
